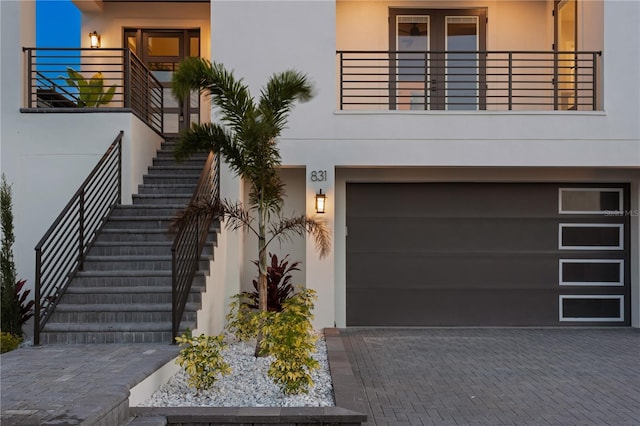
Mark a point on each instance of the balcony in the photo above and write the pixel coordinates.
(469, 56)
(82, 80)
(468, 80)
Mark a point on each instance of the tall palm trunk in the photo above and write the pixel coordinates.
(262, 268)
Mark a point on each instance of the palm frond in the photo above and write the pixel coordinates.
(285, 228)
(231, 96)
(237, 217)
(196, 209)
(278, 97)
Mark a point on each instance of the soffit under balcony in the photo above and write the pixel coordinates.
(97, 5)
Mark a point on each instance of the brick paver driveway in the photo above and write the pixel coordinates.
(498, 376)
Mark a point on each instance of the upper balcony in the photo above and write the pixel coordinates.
(96, 80)
(470, 56)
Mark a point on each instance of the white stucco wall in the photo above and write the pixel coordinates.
(52, 154)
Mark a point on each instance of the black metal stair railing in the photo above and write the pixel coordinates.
(191, 239)
(61, 251)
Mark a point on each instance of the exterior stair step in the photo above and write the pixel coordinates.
(127, 263)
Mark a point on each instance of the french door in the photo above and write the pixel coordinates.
(436, 61)
(566, 60)
(162, 51)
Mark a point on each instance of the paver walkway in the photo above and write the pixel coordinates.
(410, 377)
(75, 384)
(498, 376)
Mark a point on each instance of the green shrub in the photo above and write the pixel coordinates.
(9, 342)
(289, 337)
(243, 321)
(201, 358)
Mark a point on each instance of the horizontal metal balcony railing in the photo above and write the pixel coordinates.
(468, 80)
(68, 78)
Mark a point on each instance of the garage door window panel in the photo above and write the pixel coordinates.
(591, 272)
(591, 201)
(591, 236)
(599, 308)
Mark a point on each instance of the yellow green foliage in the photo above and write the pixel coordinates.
(289, 337)
(201, 357)
(9, 342)
(242, 320)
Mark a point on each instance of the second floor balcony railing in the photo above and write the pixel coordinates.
(80, 79)
(468, 80)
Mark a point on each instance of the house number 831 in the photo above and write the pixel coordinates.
(318, 176)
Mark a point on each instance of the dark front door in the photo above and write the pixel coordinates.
(437, 64)
(162, 51)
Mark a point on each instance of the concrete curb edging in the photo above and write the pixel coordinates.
(348, 393)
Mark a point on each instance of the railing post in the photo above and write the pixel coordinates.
(36, 313)
(81, 232)
(29, 77)
(426, 80)
(594, 84)
(510, 81)
(556, 64)
(120, 169)
(174, 296)
(127, 78)
(340, 55)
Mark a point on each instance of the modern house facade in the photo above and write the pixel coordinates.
(480, 158)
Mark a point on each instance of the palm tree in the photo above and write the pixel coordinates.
(246, 136)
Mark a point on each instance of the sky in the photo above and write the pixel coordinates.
(57, 24)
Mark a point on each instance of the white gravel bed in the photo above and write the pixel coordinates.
(248, 385)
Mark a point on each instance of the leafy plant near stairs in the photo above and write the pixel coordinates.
(289, 338)
(91, 93)
(201, 358)
(15, 310)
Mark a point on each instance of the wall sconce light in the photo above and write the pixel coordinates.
(320, 202)
(95, 40)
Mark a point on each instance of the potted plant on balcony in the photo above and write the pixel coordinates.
(90, 93)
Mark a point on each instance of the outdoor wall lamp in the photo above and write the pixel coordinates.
(95, 40)
(320, 202)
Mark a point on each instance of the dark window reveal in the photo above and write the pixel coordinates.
(596, 308)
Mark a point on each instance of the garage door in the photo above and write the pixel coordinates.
(471, 254)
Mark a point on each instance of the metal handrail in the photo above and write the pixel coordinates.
(61, 251)
(468, 80)
(191, 239)
(136, 88)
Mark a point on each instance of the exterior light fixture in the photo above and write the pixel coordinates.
(95, 40)
(320, 202)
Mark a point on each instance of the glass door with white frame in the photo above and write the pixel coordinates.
(435, 59)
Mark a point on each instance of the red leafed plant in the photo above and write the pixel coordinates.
(26, 308)
(279, 287)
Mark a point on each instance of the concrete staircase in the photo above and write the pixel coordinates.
(123, 293)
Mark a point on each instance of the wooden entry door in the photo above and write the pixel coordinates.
(162, 51)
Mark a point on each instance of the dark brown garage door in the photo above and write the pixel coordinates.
(469, 254)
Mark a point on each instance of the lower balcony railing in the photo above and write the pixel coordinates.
(93, 78)
(468, 80)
